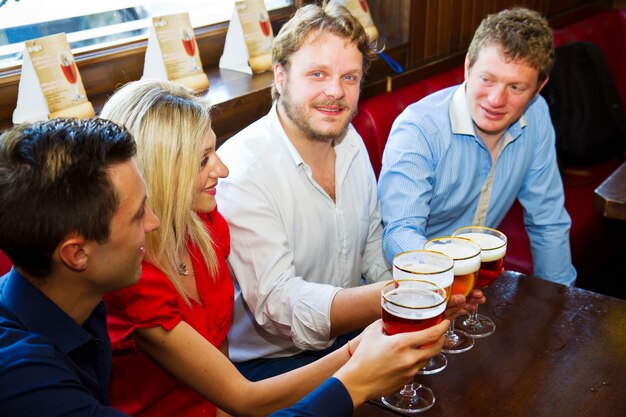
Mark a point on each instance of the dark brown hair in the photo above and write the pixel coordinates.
(54, 183)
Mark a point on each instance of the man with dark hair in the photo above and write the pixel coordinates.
(74, 218)
(463, 155)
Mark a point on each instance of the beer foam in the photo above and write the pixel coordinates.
(410, 265)
(443, 279)
(419, 267)
(493, 248)
(459, 251)
(414, 297)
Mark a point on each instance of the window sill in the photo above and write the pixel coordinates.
(239, 98)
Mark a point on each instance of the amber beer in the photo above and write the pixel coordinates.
(492, 243)
(466, 265)
(493, 249)
(466, 256)
(411, 305)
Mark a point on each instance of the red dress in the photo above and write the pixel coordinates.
(139, 386)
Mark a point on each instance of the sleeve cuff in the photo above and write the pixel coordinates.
(311, 318)
(331, 399)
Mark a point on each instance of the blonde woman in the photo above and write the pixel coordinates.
(169, 330)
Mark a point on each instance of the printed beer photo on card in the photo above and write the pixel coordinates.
(56, 70)
(360, 10)
(179, 49)
(257, 29)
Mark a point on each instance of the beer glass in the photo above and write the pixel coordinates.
(68, 67)
(266, 27)
(432, 266)
(189, 44)
(466, 256)
(493, 249)
(410, 305)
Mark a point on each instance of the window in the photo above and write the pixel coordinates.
(98, 24)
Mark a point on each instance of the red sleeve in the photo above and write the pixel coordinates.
(151, 302)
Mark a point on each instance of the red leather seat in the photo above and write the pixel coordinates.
(446, 79)
(5, 263)
(376, 115)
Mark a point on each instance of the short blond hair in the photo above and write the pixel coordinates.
(521, 34)
(312, 18)
(170, 124)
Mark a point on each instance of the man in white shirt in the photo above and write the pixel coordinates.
(301, 202)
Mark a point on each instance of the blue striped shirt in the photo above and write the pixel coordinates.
(437, 175)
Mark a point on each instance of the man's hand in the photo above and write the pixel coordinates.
(459, 305)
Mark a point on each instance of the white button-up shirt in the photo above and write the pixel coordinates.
(292, 247)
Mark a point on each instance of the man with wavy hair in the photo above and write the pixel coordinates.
(301, 203)
(463, 155)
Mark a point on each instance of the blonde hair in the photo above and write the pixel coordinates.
(522, 35)
(170, 125)
(329, 17)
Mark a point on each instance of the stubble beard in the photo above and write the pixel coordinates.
(295, 113)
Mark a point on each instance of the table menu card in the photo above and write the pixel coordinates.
(248, 46)
(50, 84)
(172, 52)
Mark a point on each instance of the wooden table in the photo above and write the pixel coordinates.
(610, 196)
(556, 352)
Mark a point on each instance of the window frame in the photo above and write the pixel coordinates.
(104, 69)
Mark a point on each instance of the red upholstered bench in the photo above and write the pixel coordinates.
(376, 115)
(590, 234)
(5, 263)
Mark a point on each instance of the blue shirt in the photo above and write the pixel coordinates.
(331, 399)
(437, 176)
(49, 364)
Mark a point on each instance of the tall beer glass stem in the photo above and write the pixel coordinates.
(476, 325)
(471, 320)
(412, 398)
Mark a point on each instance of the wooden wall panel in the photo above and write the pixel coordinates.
(441, 28)
(391, 21)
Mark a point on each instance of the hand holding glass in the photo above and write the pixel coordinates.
(411, 305)
(430, 266)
